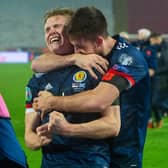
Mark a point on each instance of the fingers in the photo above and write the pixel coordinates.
(40, 93)
(41, 130)
(44, 134)
(42, 115)
(55, 116)
(98, 68)
(54, 121)
(55, 113)
(44, 93)
(45, 140)
(102, 62)
(92, 73)
(40, 105)
(35, 100)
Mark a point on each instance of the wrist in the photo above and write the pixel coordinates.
(71, 59)
(51, 102)
(70, 130)
(37, 144)
(40, 143)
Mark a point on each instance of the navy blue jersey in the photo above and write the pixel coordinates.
(69, 81)
(128, 62)
(140, 44)
(150, 54)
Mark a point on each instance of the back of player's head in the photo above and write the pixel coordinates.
(61, 11)
(144, 33)
(155, 35)
(155, 38)
(124, 35)
(88, 22)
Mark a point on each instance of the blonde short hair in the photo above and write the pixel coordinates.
(144, 33)
(60, 11)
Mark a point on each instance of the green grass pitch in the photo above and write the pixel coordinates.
(13, 79)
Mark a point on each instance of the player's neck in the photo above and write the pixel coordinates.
(109, 43)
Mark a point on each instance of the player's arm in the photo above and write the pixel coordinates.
(95, 100)
(151, 56)
(50, 61)
(152, 64)
(32, 120)
(151, 72)
(32, 140)
(106, 126)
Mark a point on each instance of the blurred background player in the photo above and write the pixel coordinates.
(150, 54)
(125, 35)
(142, 38)
(160, 94)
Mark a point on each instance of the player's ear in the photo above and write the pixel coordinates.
(99, 41)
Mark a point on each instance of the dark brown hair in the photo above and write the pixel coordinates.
(88, 22)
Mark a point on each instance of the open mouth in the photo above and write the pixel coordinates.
(55, 39)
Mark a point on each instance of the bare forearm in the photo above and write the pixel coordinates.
(94, 130)
(107, 126)
(50, 61)
(95, 100)
(73, 103)
(32, 141)
(32, 121)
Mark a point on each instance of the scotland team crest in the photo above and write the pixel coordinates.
(80, 76)
(79, 81)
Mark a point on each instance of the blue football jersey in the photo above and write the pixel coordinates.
(128, 62)
(63, 82)
(150, 54)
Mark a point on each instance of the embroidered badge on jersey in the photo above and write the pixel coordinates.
(125, 59)
(148, 53)
(80, 76)
(28, 94)
(79, 81)
(120, 68)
